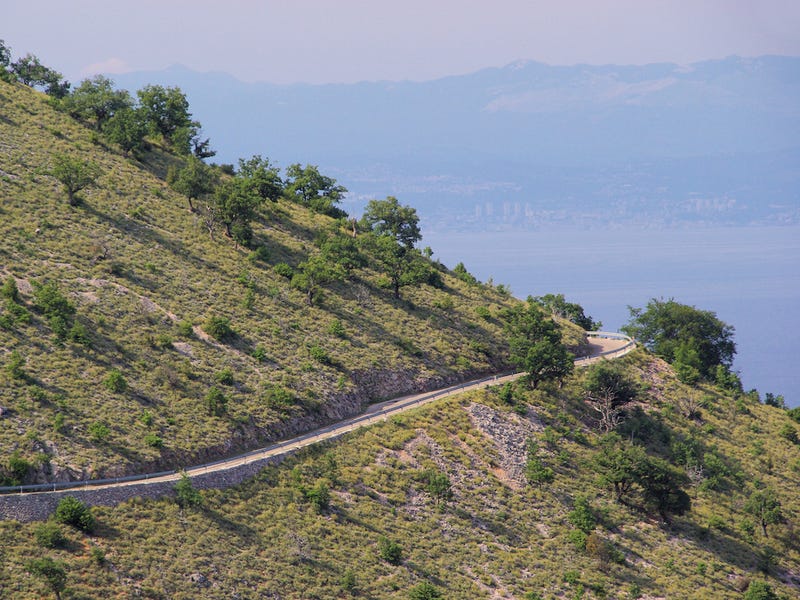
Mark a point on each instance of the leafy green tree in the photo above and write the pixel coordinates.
(389, 218)
(219, 328)
(30, 71)
(401, 266)
(96, 100)
(5, 55)
(314, 273)
(307, 186)
(438, 486)
(764, 506)
(342, 250)
(166, 111)
(675, 331)
(424, 591)
(186, 496)
(262, 177)
(559, 307)
(631, 472)
(127, 128)
(234, 205)
(319, 496)
(72, 511)
(193, 180)
(52, 572)
(74, 174)
(581, 516)
(536, 345)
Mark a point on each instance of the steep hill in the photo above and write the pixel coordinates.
(130, 382)
(370, 516)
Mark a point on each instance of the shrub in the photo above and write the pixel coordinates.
(115, 382)
(153, 440)
(284, 270)
(581, 516)
(185, 328)
(260, 353)
(278, 397)
(788, 432)
(15, 366)
(390, 551)
(337, 328)
(318, 496)
(424, 591)
(537, 473)
(10, 290)
(186, 495)
(71, 511)
(218, 327)
(483, 313)
(52, 572)
(49, 535)
(260, 254)
(215, 402)
(99, 431)
(759, 590)
(319, 354)
(225, 377)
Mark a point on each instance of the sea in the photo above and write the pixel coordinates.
(749, 276)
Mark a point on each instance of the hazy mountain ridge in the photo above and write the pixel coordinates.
(535, 135)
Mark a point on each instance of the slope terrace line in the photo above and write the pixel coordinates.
(603, 345)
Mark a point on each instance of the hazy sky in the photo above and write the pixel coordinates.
(320, 41)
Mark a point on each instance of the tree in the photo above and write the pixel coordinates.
(759, 590)
(186, 496)
(314, 273)
(389, 218)
(307, 186)
(559, 307)
(96, 100)
(74, 174)
(194, 180)
(262, 176)
(234, 205)
(632, 473)
(677, 332)
(126, 128)
(402, 266)
(424, 591)
(608, 391)
(438, 486)
(52, 572)
(166, 111)
(33, 73)
(765, 507)
(536, 344)
(72, 511)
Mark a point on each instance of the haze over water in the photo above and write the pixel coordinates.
(749, 276)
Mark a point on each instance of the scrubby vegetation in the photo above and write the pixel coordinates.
(438, 501)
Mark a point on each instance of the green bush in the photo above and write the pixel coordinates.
(99, 431)
(278, 397)
(319, 354)
(537, 473)
(73, 512)
(390, 551)
(216, 402)
(218, 327)
(337, 328)
(260, 353)
(49, 535)
(225, 377)
(186, 495)
(153, 440)
(15, 366)
(284, 270)
(424, 591)
(115, 382)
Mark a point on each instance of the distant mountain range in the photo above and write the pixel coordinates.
(531, 145)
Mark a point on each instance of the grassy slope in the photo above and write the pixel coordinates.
(495, 539)
(136, 262)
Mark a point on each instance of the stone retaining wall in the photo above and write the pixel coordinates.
(39, 506)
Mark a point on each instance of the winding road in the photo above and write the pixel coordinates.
(602, 345)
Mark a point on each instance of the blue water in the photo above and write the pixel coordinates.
(749, 276)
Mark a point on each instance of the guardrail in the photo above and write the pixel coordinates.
(329, 432)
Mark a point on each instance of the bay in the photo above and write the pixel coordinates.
(749, 276)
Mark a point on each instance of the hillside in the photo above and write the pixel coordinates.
(500, 534)
(137, 383)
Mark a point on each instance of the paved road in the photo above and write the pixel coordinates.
(602, 345)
